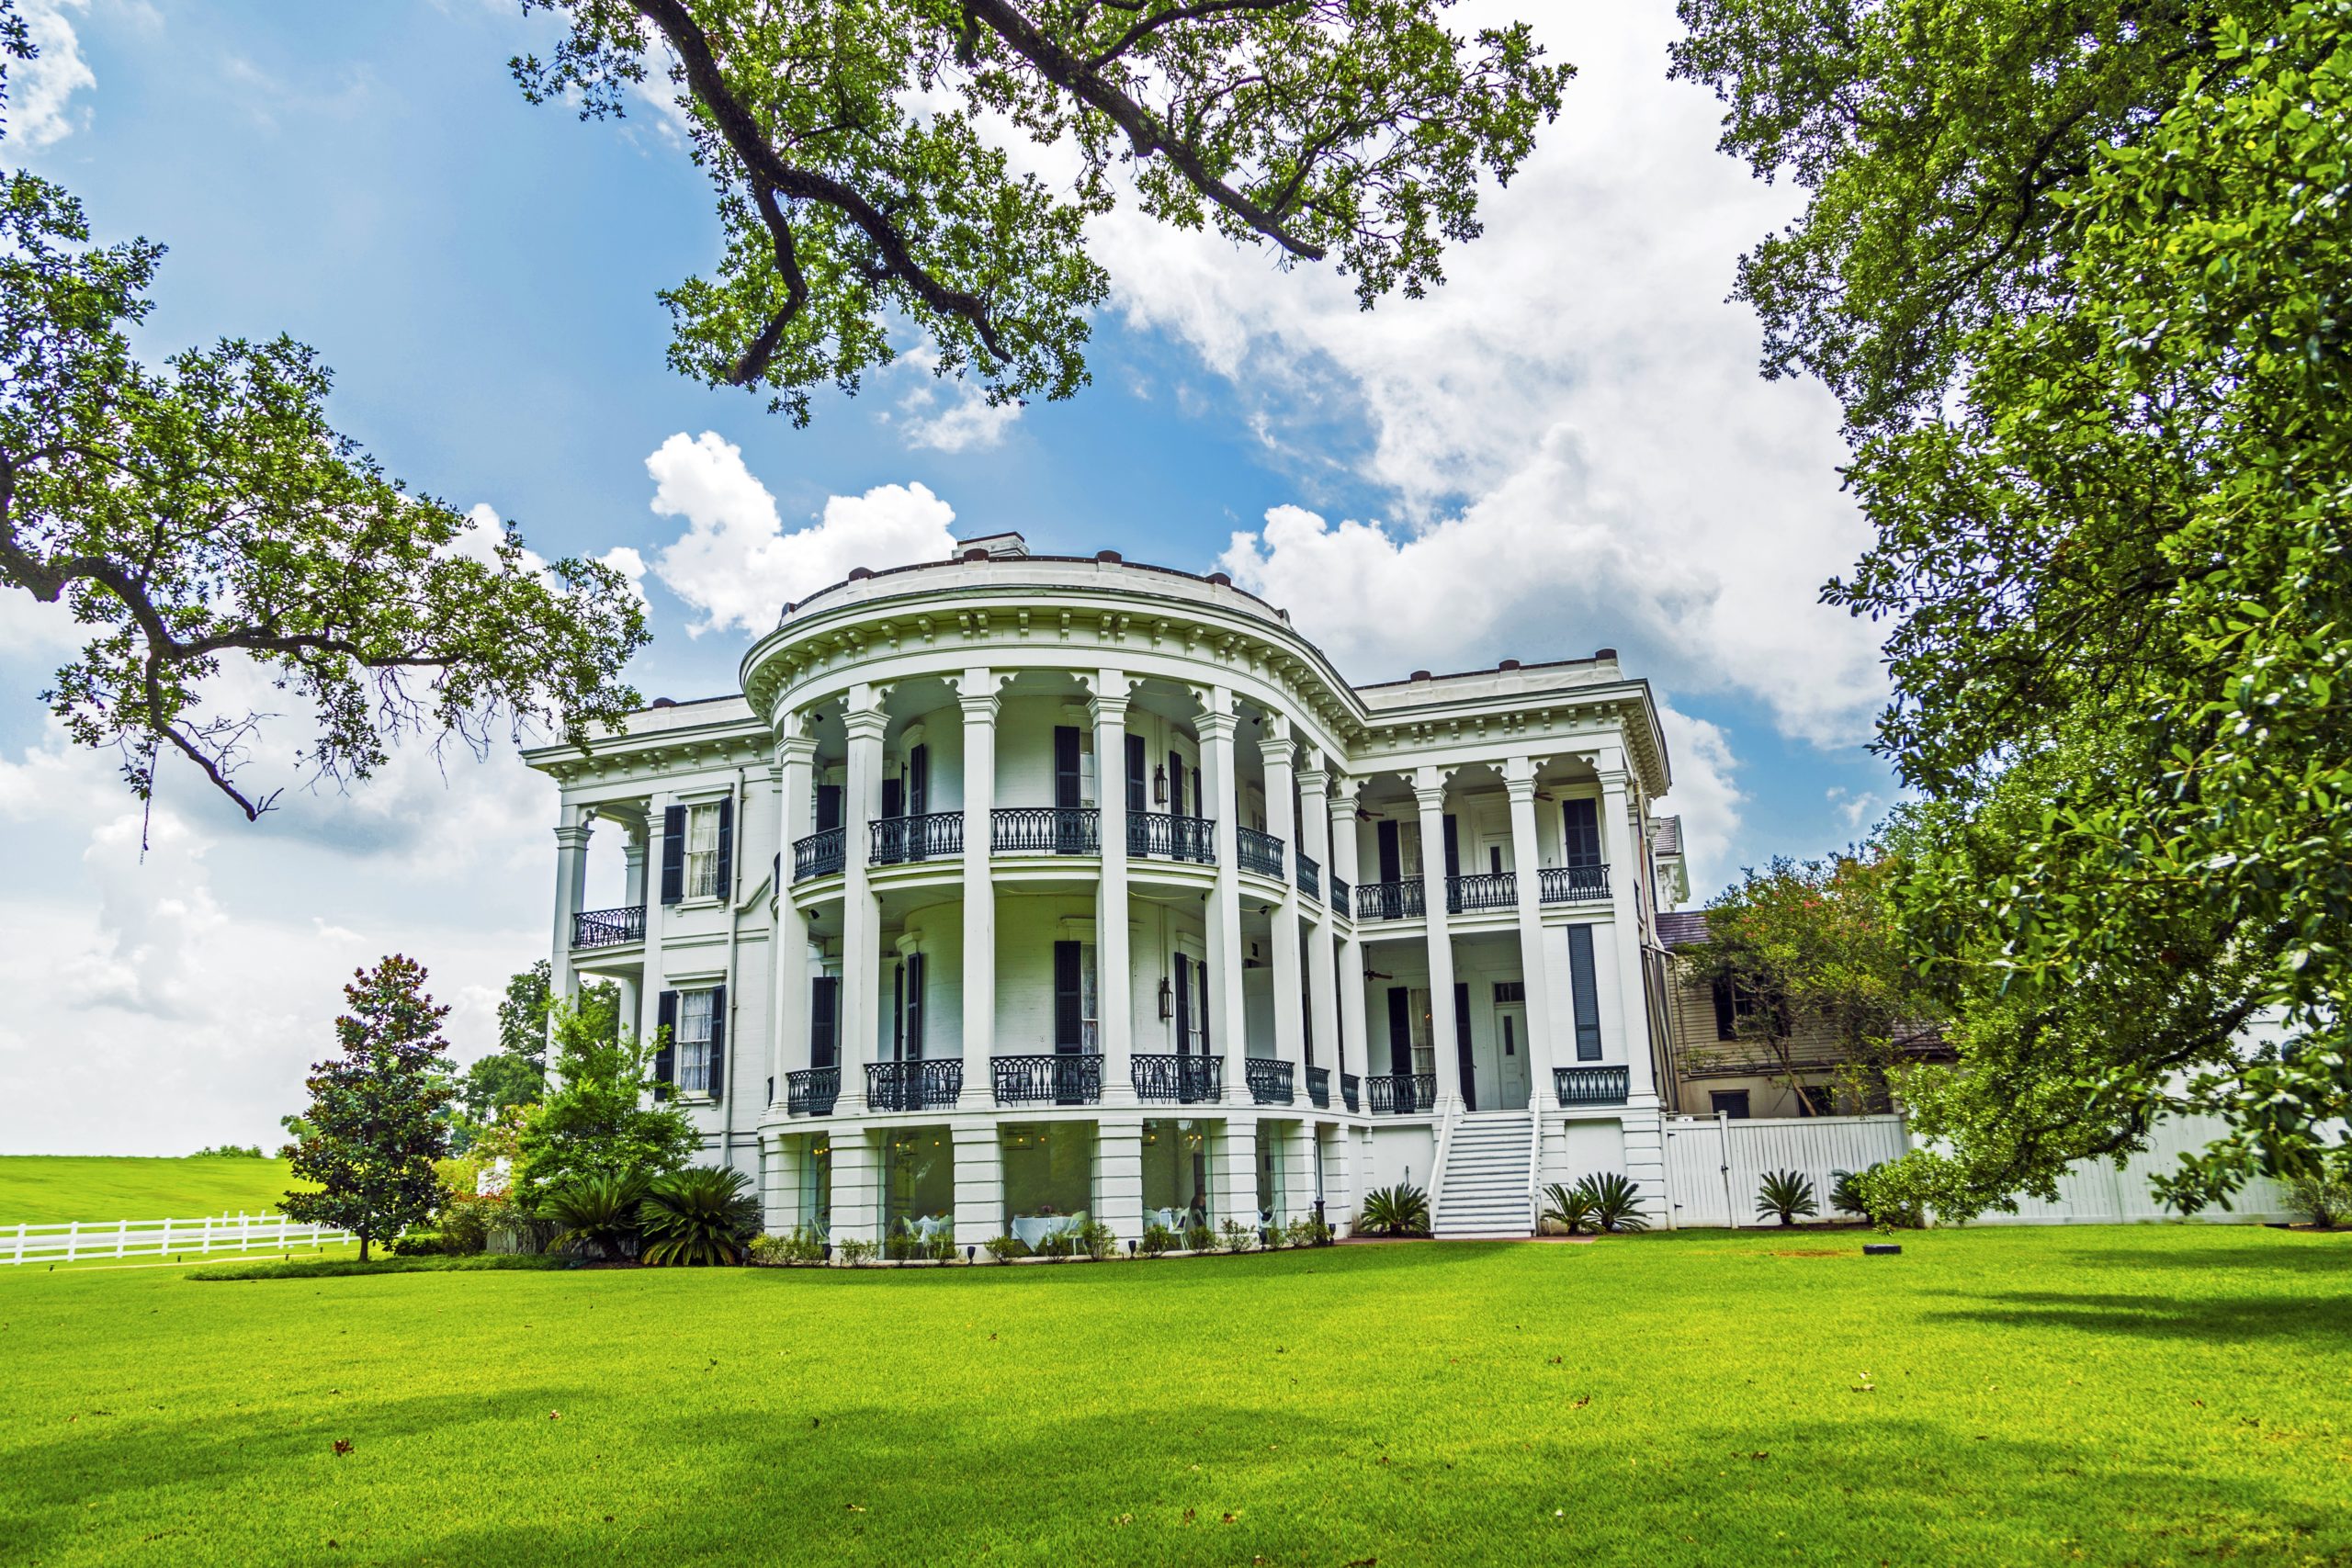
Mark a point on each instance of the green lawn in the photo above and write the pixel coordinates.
(2151, 1395)
(50, 1188)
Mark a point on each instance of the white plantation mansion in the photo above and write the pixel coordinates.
(1015, 891)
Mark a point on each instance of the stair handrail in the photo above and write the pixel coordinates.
(1535, 1163)
(1437, 1169)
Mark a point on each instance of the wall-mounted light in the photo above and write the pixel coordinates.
(1159, 783)
(1167, 999)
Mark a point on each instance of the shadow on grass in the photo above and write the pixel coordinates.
(2324, 1323)
(2323, 1253)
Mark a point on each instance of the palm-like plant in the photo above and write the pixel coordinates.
(1787, 1194)
(1571, 1208)
(1845, 1193)
(1401, 1210)
(596, 1215)
(702, 1215)
(1616, 1203)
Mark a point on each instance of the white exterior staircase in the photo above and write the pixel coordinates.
(1485, 1177)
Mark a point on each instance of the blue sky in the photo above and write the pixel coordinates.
(1565, 448)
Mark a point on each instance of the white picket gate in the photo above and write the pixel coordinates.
(1715, 1166)
(239, 1232)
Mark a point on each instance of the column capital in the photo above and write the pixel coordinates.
(1429, 798)
(575, 835)
(865, 724)
(1103, 705)
(1275, 750)
(1515, 769)
(1215, 726)
(1313, 781)
(1519, 790)
(795, 749)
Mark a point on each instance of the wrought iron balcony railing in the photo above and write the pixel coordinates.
(1318, 1088)
(1046, 830)
(1270, 1081)
(1259, 852)
(811, 1091)
(608, 928)
(1156, 835)
(1573, 883)
(1351, 1091)
(1192, 1079)
(819, 854)
(1057, 1079)
(1589, 1085)
(1487, 890)
(1341, 894)
(900, 839)
(913, 1085)
(1402, 1094)
(1389, 900)
(1310, 877)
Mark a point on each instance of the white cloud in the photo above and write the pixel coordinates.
(1579, 449)
(1706, 795)
(970, 422)
(1859, 809)
(737, 565)
(41, 91)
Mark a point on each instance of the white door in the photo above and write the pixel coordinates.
(1510, 1055)
(1697, 1159)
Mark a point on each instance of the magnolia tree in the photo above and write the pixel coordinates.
(375, 1126)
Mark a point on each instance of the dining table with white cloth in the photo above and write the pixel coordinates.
(1034, 1230)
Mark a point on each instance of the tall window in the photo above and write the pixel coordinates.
(695, 1013)
(702, 852)
(1580, 832)
(1424, 1041)
(1089, 1009)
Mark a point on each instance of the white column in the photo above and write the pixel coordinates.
(857, 1181)
(571, 835)
(648, 1018)
(1114, 986)
(861, 993)
(1290, 992)
(1235, 1194)
(1338, 1177)
(796, 758)
(1354, 1044)
(1118, 1175)
(1625, 864)
(1322, 996)
(979, 1182)
(1298, 1156)
(977, 699)
(633, 861)
(1519, 783)
(1227, 1018)
(1429, 791)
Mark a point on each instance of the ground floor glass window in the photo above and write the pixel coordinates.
(1048, 1181)
(1272, 1137)
(918, 1193)
(817, 1185)
(1176, 1175)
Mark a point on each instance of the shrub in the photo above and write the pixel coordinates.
(229, 1151)
(1157, 1239)
(595, 1216)
(1237, 1236)
(1402, 1210)
(1787, 1194)
(1846, 1193)
(602, 1118)
(699, 1216)
(418, 1244)
(1199, 1238)
(856, 1252)
(767, 1251)
(1005, 1248)
(509, 1229)
(1100, 1241)
(1616, 1203)
(803, 1246)
(1061, 1244)
(1570, 1208)
(1307, 1230)
(464, 1225)
(2323, 1199)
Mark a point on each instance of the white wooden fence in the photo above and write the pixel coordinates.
(1715, 1166)
(160, 1238)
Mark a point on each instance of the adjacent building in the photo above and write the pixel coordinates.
(1017, 891)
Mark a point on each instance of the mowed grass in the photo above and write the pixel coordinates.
(2150, 1396)
(52, 1189)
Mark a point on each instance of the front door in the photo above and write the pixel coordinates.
(1510, 1054)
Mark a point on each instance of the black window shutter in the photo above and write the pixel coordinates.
(1400, 1030)
(824, 1020)
(1726, 1009)
(717, 1040)
(893, 798)
(914, 1007)
(665, 1051)
(1183, 1003)
(1067, 1020)
(1392, 853)
(1201, 979)
(1138, 786)
(919, 782)
(674, 854)
(1462, 1051)
(899, 1013)
(1587, 996)
(1452, 848)
(829, 808)
(1580, 833)
(1307, 1009)
(1175, 783)
(1200, 797)
(1065, 777)
(727, 850)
